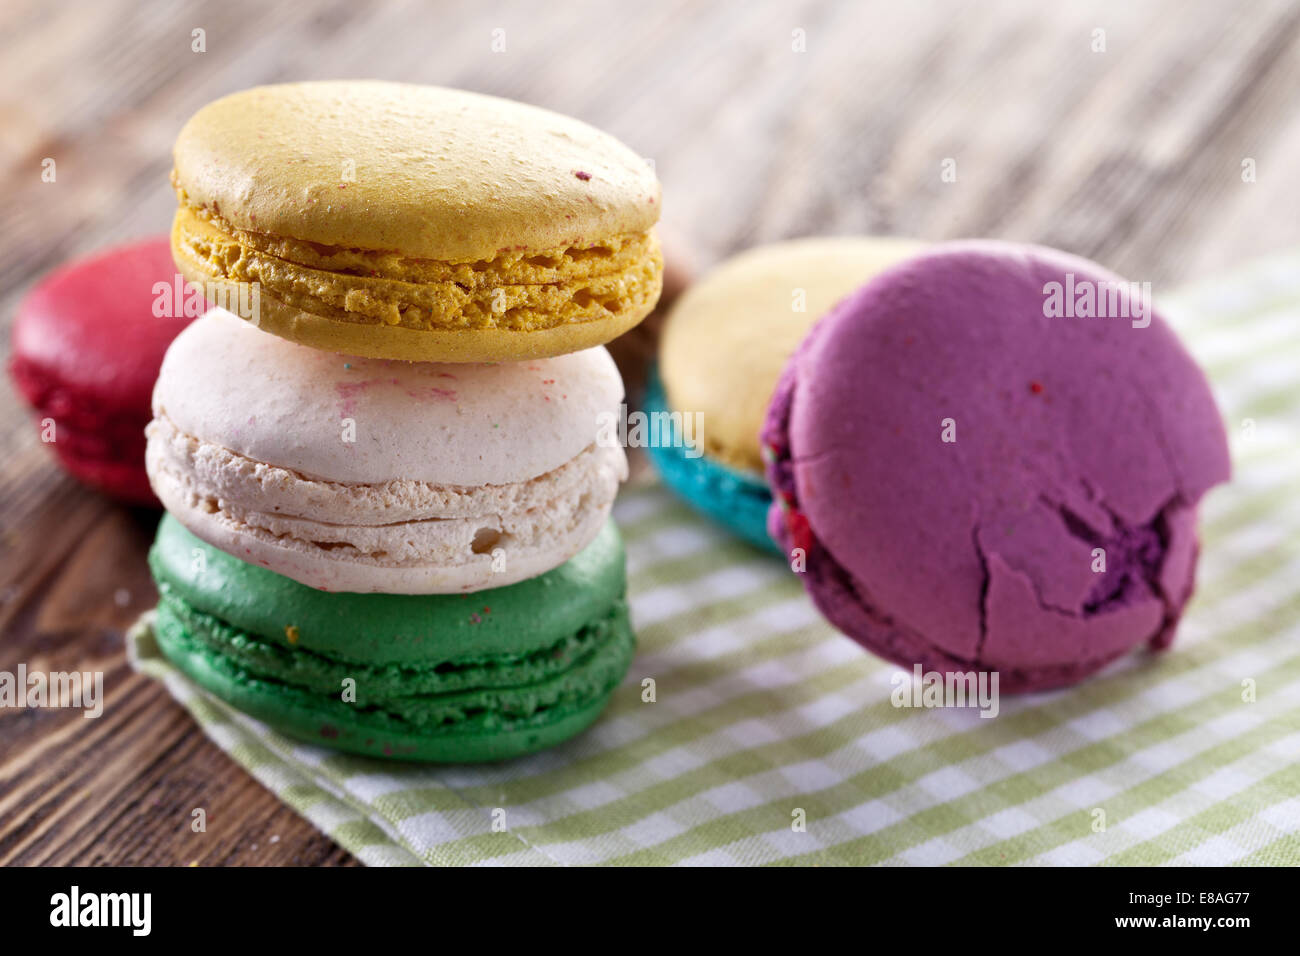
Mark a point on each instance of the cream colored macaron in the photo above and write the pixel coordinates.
(374, 475)
(414, 222)
(729, 336)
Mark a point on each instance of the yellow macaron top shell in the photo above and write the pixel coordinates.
(421, 171)
(414, 222)
(729, 336)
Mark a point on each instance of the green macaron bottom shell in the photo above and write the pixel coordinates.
(473, 703)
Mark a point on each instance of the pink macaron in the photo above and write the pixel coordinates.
(991, 457)
(87, 345)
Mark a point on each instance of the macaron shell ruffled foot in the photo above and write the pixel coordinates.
(412, 222)
(956, 461)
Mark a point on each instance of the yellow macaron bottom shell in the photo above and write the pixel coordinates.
(521, 304)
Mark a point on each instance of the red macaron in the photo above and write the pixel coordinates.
(87, 344)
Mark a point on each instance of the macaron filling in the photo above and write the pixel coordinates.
(518, 290)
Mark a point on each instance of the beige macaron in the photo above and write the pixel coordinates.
(373, 475)
(729, 336)
(398, 221)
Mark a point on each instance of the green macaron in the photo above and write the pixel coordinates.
(441, 678)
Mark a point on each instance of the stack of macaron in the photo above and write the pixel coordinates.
(388, 522)
(986, 456)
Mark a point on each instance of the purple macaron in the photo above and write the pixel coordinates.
(991, 456)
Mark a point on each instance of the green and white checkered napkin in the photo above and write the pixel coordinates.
(763, 709)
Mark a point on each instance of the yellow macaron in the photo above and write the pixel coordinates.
(729, 336)
(414, 222)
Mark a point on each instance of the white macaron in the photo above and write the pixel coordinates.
(373, 475)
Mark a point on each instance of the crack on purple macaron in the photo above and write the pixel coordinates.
(1134, 546)
(1141, 551)
(986, 579)
(1111, 590)
(1153, 418)
(906, 646)
(1149, 565)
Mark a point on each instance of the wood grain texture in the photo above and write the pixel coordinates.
(1131, 156)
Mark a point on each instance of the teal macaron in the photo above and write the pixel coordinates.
(734, 498)
(454, 678)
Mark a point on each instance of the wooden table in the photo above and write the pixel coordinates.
(1132, 155)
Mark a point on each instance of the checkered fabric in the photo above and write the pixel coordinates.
(772, 738)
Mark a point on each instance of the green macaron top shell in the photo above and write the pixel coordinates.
(382, 629)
